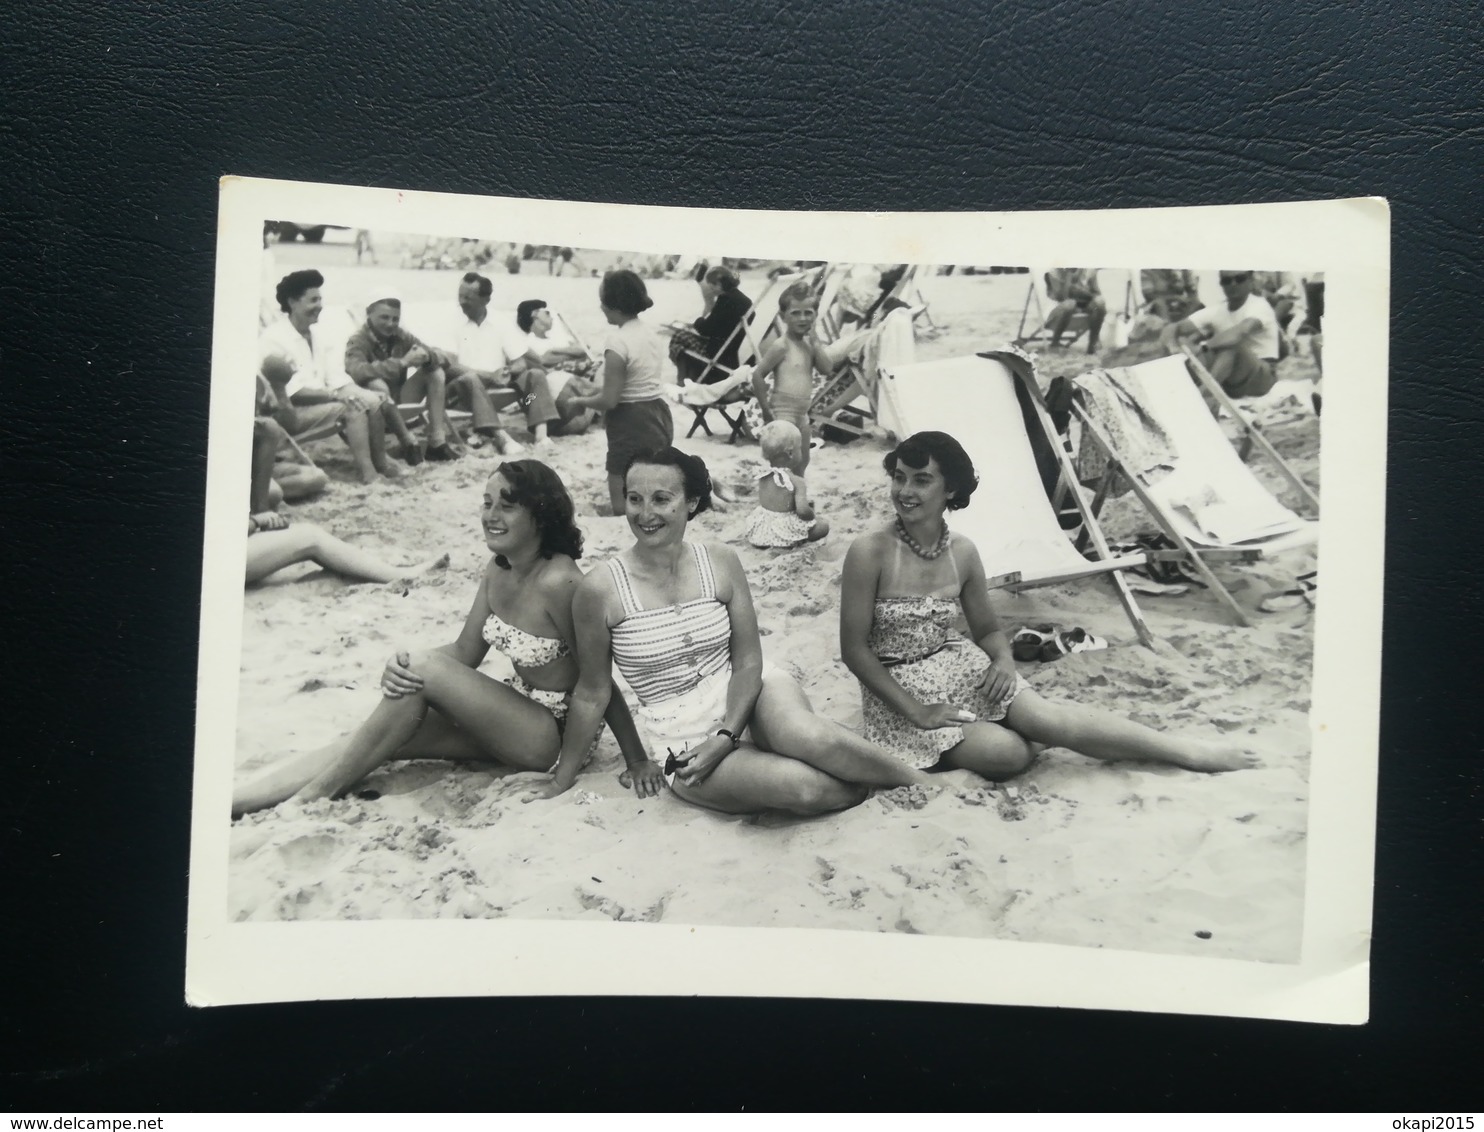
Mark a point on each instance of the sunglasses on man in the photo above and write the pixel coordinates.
(1228, 280)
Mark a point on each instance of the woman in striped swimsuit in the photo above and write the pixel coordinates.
(677, 618)
(436, 704)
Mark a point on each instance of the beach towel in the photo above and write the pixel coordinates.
(1113, 399)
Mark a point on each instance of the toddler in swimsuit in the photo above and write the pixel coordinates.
(791, 360)
(783, 516)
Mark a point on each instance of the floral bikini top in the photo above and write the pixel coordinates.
(910, 628)
(525, 650)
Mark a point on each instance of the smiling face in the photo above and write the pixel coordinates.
(655, 504)
(799, 317)
(384, 318)
(508, 527)
(919, 494)
(304, 310)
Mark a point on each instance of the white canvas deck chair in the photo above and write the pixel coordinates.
(735, 390)
(1010, 519)
(1204, 498)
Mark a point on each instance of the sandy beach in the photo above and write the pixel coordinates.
(1084, 853)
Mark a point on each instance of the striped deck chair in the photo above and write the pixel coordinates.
(1201, 494)
(1010, 520)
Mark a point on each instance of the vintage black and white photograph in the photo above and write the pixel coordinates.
(771, 580)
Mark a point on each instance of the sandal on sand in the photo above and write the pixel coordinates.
(441, 453)
(1073, 640)
(1301, 593)
(1028, 643)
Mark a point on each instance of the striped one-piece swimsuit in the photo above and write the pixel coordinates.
(676, 658)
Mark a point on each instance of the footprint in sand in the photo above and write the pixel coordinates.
(309, 850)
(907, 797)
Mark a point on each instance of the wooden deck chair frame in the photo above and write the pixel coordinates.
(851, 381)
(1076, 326)
(1106, 563)
(1200, 558)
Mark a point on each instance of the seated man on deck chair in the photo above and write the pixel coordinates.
(496, 354)
(1073, 290)
(1238, 339)
(381, 357)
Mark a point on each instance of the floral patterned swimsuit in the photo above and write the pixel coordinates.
(916, 639)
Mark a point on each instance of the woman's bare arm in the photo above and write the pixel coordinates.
(858, 587)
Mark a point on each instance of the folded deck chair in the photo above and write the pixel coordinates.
(757, 328)
(1010, 519)
(1194, 485)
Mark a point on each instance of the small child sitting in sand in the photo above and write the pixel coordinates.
(783, 516)
(794, 355)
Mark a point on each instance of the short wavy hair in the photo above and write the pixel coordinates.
(723, 277)
(294, 285)
(693, 473)
(623, 290)
(541, 491)
(525, 313)
(959, 476)
(800, 292)
(481, 283)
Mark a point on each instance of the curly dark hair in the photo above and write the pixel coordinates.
(293, 286)
(623, 290)
(525, 313)
(959, 476)
(540, 491)
(693, 473)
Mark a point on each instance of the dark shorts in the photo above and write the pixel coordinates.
(636, 426)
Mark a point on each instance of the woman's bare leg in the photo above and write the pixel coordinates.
(615, 493)
(437, 737)
(269, 551)
(990, 751)
(1103, 735)
(784, 722)
(500, 722)
(749, 781)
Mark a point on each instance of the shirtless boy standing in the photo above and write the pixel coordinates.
(792, 359)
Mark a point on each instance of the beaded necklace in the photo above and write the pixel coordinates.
(917, 547)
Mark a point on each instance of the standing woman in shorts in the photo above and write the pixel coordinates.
(636, 415)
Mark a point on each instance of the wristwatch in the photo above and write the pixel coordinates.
(736, 742)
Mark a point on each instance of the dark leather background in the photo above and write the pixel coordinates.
(119, 118)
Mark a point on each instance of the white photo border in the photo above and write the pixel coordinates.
(229, 963)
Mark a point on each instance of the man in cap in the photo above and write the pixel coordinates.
(386, 361)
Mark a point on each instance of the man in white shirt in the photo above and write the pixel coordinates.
(500, 356)
(1238, 339)
(303, 393)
